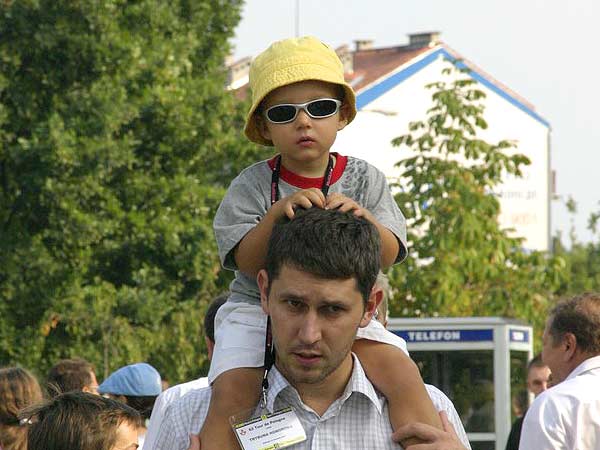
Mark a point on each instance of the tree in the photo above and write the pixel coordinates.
(117, 139)
(582, 260)
(462, 262)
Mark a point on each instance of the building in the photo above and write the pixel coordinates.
(390, 86)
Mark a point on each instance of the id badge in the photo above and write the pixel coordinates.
(279, 429)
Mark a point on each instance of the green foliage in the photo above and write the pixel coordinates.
(117, 140)
(582, 259)
(462, 262)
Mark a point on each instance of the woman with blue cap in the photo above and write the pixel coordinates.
(136, 385)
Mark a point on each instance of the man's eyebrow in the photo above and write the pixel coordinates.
(336, 303)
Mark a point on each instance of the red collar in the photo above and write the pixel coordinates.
(305, 182)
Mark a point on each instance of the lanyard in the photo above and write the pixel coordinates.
(269, 361)
(269, 349)
(277, 170)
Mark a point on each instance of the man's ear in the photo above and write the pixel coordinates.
(262, 279)
(210, 347)
(569, 344)
(373, 302)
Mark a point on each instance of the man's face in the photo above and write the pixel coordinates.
(314, 323)
(537, 379)
(553, 355)
(127, 437)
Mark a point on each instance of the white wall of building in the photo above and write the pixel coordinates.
(524, 202)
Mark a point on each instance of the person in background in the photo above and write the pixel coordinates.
(178, 391)
(81, 421)
(137, 385)
(567, 416)
(538, 376)
(18, 389)
(75, 374)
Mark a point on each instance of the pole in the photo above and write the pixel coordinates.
(297, 18)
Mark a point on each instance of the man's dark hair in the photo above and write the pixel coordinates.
(142, 404)
(536, 361)
(77, 421)
(69, 375)
(211, 312)
(580, 316)
(328, 244)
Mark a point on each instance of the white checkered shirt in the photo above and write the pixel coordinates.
(357, 420)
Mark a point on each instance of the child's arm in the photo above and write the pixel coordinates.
(389, 242)
(397, 377)
(251, 252)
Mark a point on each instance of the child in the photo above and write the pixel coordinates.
(299, 102)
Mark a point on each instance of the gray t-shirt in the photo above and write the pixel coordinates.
(249, 197)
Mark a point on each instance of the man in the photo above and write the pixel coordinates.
(82, 421)
(75, 374)
(178, 391)
(568, 415)
(538, 375)
(318, 290)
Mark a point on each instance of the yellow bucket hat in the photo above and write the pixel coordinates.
(289, 61)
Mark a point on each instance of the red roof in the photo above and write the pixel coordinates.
(372, 64)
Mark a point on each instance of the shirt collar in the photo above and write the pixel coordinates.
(588, 364)
(358, 383)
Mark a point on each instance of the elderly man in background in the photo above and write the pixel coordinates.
(568, 415)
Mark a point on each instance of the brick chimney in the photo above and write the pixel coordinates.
(363, 44)
(346, 57)
(237, 73)
(420, 40)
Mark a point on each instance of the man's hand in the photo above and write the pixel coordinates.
(435, 439)
(194, 442)
(306, 198)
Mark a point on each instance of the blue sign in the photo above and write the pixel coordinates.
(519, 336)
(446, 335)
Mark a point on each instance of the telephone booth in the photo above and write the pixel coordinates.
(479, 362)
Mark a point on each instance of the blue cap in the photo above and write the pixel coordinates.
(137, 380)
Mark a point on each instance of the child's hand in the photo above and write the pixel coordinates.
(194, 442)
(306, 198)
(435, 439)
(345, 204)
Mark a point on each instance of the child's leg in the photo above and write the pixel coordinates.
(397, 377)
(233, 392)
(235, 371)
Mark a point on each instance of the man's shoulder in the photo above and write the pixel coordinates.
(193, 399)
(190, 409)
(572, 391)
(179, 390)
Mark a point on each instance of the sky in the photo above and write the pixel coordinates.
(541, 49)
